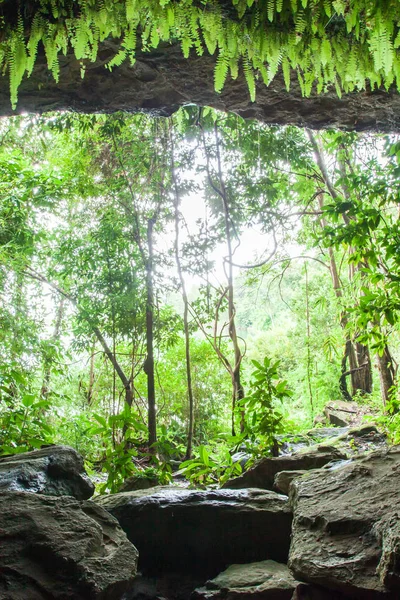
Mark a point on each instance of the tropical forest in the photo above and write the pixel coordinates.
(200, 303)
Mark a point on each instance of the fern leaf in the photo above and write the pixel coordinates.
(221, 72)
(250, 78)
(286, 72)
(271, 10)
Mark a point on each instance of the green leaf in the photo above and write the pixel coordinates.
(28, 399)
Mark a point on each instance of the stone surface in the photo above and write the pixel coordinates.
(204, 531)
(61, 549)
(263, 473)
(345, 529)
(266, 580)
(351, 440)
(54, 471)
(306, 591)
(343, 413)
(283, 479)
(168, 586)
(163, 80)
(293, 443)
(138, 483)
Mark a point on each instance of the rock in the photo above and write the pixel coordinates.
(304, 591)
(61, 549)
(266, 580)
(320, 420)
(263, 473)
(342, 413)
(295, 443)
(202, 531)
(345, 530)
(138, 483)
(169, 586)
(351, 440)
(283, 479)
(162, 80)
(54, 471)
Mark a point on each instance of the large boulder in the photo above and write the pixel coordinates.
(265, 580)
(61, 549)
(54, 471)
(346, 533)
(202, 531)
(342, 413)
(263, 473)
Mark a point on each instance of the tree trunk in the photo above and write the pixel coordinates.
(387, 374)
(185, 307)
(89, 394)
(149, 362)
(360, 368)
(237, 388)
(44, 392)
(363, 378)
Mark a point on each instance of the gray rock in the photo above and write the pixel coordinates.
(61, 549)
(295, 443)
(54, 471)
(305, 591)
(283, 479)
(345, 530)
(266, 580)
(202, 531)
(342, 413)
(263, 473)
(138, 483)
(169, 586)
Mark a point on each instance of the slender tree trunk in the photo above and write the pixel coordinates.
(126, 382)
(309, 365)
(19, 306)
(185, 307)
(237, 387)
(387, 373)
(90, 394)
(44, 392)
(363, 378)
(149, 362)
(360, 368)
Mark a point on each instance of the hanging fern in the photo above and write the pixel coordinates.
(221, 72)
(346, 44)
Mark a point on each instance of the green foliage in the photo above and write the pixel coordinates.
(24, 423)
(325, 42)
(209, 467)
(77, 196)
(263, 418)
(120, 435)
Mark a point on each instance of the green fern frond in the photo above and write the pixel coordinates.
(250, 78)
(221, 72)
(117, 60)
(286, 72)
(270, 9)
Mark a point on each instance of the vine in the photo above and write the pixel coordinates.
(346, 43)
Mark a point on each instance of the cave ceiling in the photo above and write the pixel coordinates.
(161, 81)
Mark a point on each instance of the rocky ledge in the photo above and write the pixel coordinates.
(57, 548)
(53, 470)
(336, 537)
(202, 531)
